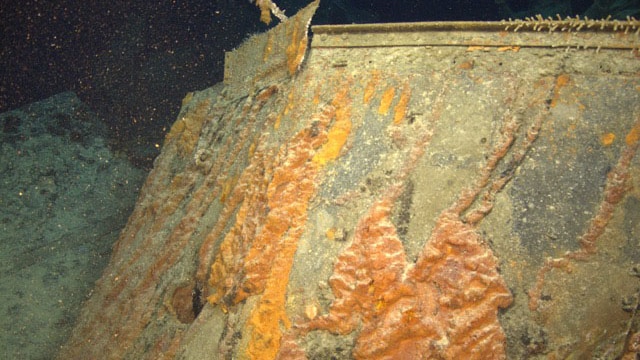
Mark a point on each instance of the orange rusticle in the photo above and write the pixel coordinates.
(367, 281)
(288, 194)
(268, 262)
(256, 255)
(459, 269)
(443, 306)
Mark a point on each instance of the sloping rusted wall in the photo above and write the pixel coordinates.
(477, 198)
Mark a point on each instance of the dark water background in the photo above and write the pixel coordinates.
(132, 61)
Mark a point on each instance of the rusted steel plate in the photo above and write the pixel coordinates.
(400, 200)
(563, 33)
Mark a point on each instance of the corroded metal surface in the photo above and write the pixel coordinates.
(568, 33)
(381, 202)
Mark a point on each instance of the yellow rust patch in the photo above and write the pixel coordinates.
(561, 81)
(385, 102)
(370, 88)
(400, 110)
(634, 135)
(339, 132)
(607, 139)
(331, 233)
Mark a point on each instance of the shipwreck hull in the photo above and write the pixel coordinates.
(448, 190)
